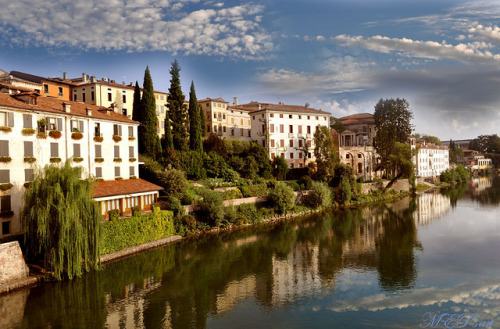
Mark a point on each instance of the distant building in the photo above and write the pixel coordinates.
(430, 160)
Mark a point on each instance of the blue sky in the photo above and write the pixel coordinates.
(340, 56)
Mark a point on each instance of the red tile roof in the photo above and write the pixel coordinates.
(431, 146)
(12, 87)
(239, 108)
(123, 187)
(360, 118)
(55, 105)
(208, 99)
(254, 107)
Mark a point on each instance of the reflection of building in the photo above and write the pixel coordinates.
(480, 184)
(235, 293)
(430, 160)
(431, 206)
(356, 144)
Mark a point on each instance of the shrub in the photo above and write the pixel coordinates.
(247, 213)
(319, 196)
(254, 190)
(28, 131)
(187, 198)
(117, 138)
(344, 192)
(282, 197)
(175, 206)
(229, 175)
(192, 164)
(233, 193)
(280, 168)
(114, 214)
(293, 184)
(172, 180)
(136, 211)
(211, 208)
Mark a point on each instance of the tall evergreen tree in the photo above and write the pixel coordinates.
(149, 143)
(195, 137)
(169, 143)
(177, 109)
(136, 107)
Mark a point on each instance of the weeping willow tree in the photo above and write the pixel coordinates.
(62, 221)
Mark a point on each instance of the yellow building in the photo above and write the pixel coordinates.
(216, 116)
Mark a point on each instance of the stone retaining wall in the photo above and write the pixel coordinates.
(12, 264)
(399, 185)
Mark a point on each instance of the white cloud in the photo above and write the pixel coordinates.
(491, 34)
(139, 25)
(342, 108)
(470, 52)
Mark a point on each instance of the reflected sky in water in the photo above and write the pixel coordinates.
(383, 266)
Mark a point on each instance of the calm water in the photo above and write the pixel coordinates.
(382, 266)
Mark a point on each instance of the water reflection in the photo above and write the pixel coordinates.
(184, 285)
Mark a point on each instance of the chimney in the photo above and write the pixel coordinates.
(114, 108)
(113, 81)
(89, 111)
(84, 77)
(104, 79)
(65, 75)
(260, 107)
(92, 79)
(66, 107)
(235, 101)
(123, 83)
(280, 103)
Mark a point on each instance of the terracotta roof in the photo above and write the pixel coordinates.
(254, 107)
(239, 108)
(55, 105)
(61, 80)
(124, 186)
(12, 87)
(27, 76)
(360, 118)
(208, 99)
(431, 146)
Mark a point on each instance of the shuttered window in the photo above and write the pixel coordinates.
(98, 172)
(29, 174)
(117, 151)
(6, 119)
(4, 148)
(130, 131)
(54, 150)
(76, 150)
(117, 130)
(55, 123)
(4, 176)
(132, 171)
(78, 125)
(27, 121)
(98, 151)
(131, 151)
(28, 149)
(5, 203)
(117, 171)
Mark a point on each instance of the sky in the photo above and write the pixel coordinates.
(341, 56)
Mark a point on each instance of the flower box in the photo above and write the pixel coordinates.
(118, 178)
(27, 184)
(56, 134)
(76, 135)
(5, 159)
(117, 138)
(98, 139)
(77, 159)
(28, 131)
(132, 159)
(117, 160)
(29, 159)
(131, 138)
(99, 160)
(55, 160)
(41, 135)
(133, 177)
(6, 187)
(6, 129)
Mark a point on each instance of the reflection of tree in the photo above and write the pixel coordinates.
(454, 193)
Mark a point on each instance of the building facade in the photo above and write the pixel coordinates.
(36, 131)
(430, 160)
(286, 130)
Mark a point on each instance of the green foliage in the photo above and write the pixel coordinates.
(195, 128)
(168, 141)
(215, 144)
(393, 124)
(486, 144)
(324, 151)
(114, 214)
(236, 146)
(455, 176)
(320, 195)
(136, 211)
(172, 180)
(192, 164)
(177, 109)
(430, 139)
(149, 143)
(62, 221)
(132, 231)
(214, 164)
(337, 125)
(400, 162)
(211, 209)
(231, 194)
(253, 190)
(456, 153)
(280, 168)
(259, 153)
(282, 197)
(345, 191)
(293, 184)
(172, 203)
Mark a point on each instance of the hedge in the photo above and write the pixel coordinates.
(131, 231)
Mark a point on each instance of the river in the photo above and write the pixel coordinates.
(401, 264)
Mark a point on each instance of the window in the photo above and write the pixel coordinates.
(282, 155)
(161, 97)
(263, 129)
(124, 112)
(215, 115)
(272, 156)
(117, 171)
(317, 118)
(309, 143)
(29, 174)
(232, 132)
(271, 127)
(309, 129)
(271, 115)
(124, 98)
(117, 151)
(282, 129)
(300, 116)
(92, 95)
(272, 142)
(6, 228)
(4, 176)
(249, 133)
(300, 142)
(97, 129)
(76, 150)
(75, 96)
(45, 89)
(359, 156)
(262, 115)
(281, 116)
(300, 129)
(83, 97)
(132, 171)
(241, 122)
(27, 121)
(215, 128)
(291, 155)
(6, 119)
(131, 151)
(241, 132)
(28, 149)
(55, 123)
(290, 129)
(300, 155)
(282, 142)
(77, 125)
(290, 116)
(110, 98)
(54, 150)
(264, 142)
(98, 172)
(98, 151)
(309, 155)
(131, 131)
(224, 129)
(232, 121)
(291, 142)
(117, 130)
(224, 116)
(308, 118)
(5, 204)
(4, 148)
(347, 156)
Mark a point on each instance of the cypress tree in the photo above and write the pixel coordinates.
(136, 108)
(195, 137)
(62, 221)
(149, 143)
(169, 143)
(177, 109)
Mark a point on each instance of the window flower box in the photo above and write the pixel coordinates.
(117, 138)
(76, 135)
(131, 138)
(118, 178)
(5, 159)
(132, 159)
(28, 184)
(133, 177)
(55, 160)
(6, 129)
(56, 134)
(28, 131)
(29, 159)
(98, 139)
(41, 135)
(117, 160)
(99, 160)
(77, 159)
(99, 179)
(6, 187)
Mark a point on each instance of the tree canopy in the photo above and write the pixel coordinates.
(149, 142)
(195, 129)
(178, 113)
(393, 123)
(324, 152)
(62, 221)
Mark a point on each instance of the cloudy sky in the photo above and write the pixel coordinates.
(341, 56)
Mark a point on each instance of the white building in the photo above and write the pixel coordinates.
(285, 130)
(36, 131)
(430, 160)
